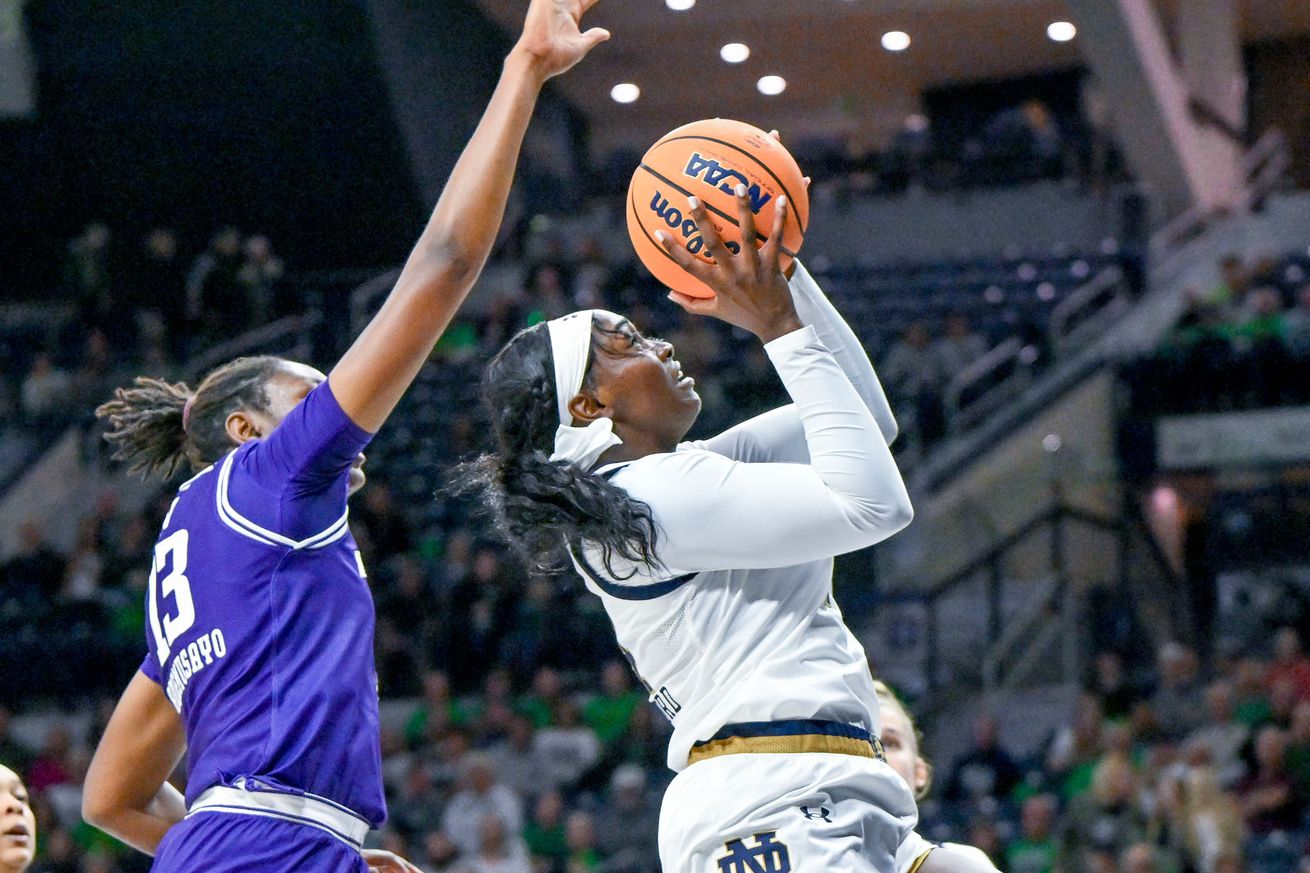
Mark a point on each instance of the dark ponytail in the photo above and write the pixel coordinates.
(156, 427)
(543, 507)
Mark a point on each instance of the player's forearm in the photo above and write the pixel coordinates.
(141, 826)
(816, 309)
(856, 467)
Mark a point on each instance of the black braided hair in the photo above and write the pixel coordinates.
(543, 507)
(146, 424)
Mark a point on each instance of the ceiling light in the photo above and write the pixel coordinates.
(735, 52)
(1061, 31)
(625, 92)
(772, 85)
(896, 40)
(679, 5)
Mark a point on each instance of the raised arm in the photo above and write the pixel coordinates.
(371, 377)
(126, 793)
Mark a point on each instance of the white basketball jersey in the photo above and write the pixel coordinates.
(739, 625)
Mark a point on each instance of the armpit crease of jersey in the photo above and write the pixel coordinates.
(244, 526)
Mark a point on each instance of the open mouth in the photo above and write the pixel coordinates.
(18, 833)
(681, 378)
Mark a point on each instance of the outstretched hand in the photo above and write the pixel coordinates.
(750, 290)
(553, 39)
(380, 861)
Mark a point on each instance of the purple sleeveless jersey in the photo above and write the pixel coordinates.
(260, 620)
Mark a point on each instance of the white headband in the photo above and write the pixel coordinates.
(570, 346)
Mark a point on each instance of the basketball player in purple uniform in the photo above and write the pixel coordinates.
(260, 620)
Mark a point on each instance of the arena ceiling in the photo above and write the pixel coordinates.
(839, 78)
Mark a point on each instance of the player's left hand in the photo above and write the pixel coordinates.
(387, 862)
(553, 38)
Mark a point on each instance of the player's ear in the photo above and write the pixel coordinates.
(241, 427)
(922, 776)
(586, 407)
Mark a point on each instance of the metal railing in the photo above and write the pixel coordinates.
(1089, 310)
(1014, 650)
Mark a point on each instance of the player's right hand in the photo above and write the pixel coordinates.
(380, 861)
(750, 290)
(553, 40)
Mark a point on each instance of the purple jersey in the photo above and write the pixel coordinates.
(260, 620)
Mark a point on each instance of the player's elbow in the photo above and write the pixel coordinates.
(448, 264)
(98, 808)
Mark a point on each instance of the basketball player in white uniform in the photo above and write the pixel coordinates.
(724, 601)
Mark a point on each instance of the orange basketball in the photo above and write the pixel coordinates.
(709, 159)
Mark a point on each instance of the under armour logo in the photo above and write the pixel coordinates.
(820, 813)
(766, 856)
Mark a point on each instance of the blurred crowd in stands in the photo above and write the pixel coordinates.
(1164, 767)
(1243, 343)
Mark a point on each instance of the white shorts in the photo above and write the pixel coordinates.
(775, 813)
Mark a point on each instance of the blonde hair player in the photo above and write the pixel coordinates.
(900, 739)
(714, 559)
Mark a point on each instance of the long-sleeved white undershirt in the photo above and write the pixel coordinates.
(739, 623)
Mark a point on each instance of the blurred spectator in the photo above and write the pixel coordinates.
(1252, 702)
(1296, 326)
(1178, 701)
(499, 850)
(1222, 735)
(1111, 686)
(480, 798)
(46, 391)
(987, 771)
(959, 348)
(517, 758)
(627, 832)
(1036, 849)
(440, 853)
(1141, 858)
(1298, 744)
(547, 694)
(544, 832)
(1290, 664)
(417, 803)
(257, 278)
(568, 748)
(384, 524)
(54, 765)
(1271, 800)
(82, 576)
(437, 712)
(35, 574)
(580, 836)
(215, 309)
(610, 712)
(1208, 821)
(88, 274)
(1107, 818)
(913, 376)
(480, 607)
(158, 282)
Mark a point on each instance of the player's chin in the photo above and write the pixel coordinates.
(355, 481)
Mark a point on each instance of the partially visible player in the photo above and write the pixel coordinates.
(17, 824)
(714, 559)
(901, 740)
(260, 619)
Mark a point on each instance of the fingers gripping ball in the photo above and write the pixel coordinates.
(709, 159)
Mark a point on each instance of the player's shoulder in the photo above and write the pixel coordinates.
(664, 471)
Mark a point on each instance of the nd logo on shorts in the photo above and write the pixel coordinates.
(766, 856)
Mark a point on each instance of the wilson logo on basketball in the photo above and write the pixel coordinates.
(725, 179)
(673, 217)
